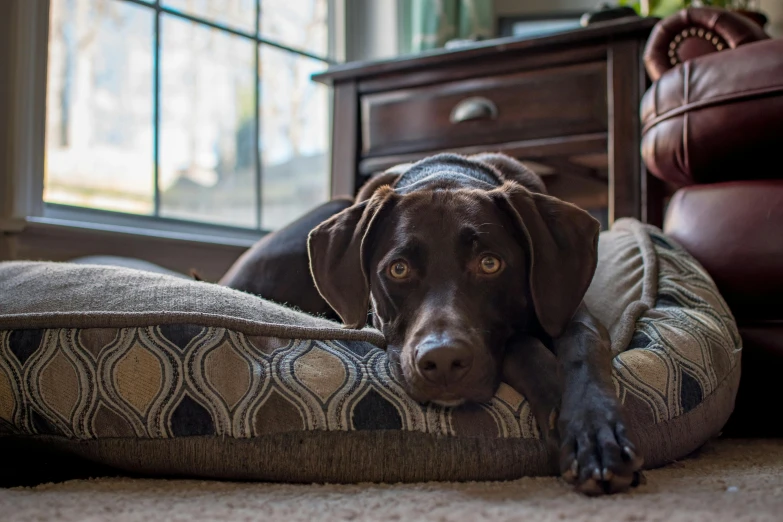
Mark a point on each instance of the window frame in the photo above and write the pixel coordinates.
(23, 179)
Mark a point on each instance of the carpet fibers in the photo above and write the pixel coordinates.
(727, 480)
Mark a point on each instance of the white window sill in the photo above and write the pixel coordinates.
(206, 251)
(143, 226)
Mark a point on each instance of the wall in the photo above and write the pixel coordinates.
(371, 29)
(515, 7)
(6, 64)
(6, 106)
(379, 36)
(772, 8)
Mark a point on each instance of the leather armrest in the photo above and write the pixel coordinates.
(735, 230)
(695, 32)
(718, 117)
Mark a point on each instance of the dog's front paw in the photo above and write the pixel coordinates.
(597, 454)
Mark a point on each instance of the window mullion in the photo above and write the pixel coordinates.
(156, 110)
(257, 117)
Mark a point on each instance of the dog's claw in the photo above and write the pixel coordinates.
(607, 474)
(571, 473)
(597, 475)
(631, 456)
(628, 453)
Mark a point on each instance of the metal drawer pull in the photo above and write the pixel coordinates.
(476, 108)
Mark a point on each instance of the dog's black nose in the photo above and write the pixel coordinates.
(443, 361)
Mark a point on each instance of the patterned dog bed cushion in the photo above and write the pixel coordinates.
(161, 375)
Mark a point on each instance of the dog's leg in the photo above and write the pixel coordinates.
(532, 369)
(598, 453)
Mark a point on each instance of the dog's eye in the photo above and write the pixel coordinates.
(490, 264)
(399, 269)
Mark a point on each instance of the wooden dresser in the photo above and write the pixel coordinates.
(567, 104)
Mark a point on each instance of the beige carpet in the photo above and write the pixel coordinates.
(727, 480)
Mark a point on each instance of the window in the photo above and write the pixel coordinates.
(188, 110)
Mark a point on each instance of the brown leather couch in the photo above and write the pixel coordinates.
(713, 129)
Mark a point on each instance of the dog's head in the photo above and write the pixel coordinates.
(450, 273)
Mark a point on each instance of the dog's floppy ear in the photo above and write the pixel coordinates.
(387, 177)
(338, 250)
(563, 242)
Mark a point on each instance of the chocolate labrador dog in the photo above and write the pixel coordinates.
(474, 275)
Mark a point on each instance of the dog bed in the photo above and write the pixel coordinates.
(159, 375)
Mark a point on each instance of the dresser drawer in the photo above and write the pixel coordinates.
(531, 105)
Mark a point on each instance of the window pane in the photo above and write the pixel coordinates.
(301, 24)
(207, 164)
(294, 137)
(239, 14)
(99, 136)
